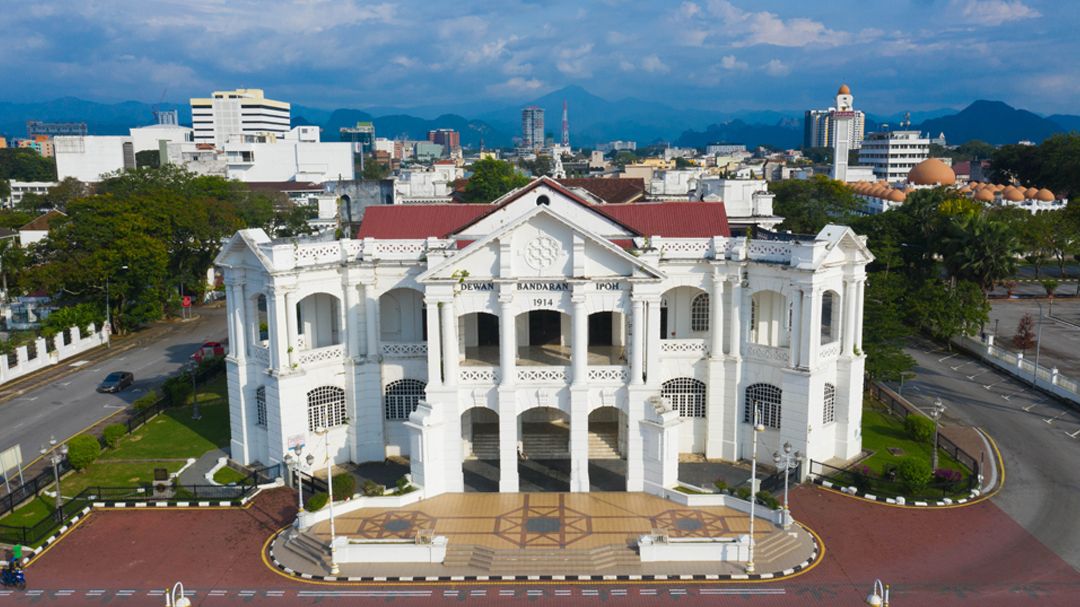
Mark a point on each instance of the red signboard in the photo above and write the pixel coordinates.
(186, 301)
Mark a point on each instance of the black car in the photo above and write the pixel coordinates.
(116, 381)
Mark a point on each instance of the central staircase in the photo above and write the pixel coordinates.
(553, 561)
(548, 444)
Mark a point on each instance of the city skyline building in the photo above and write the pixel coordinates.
(229, 115)
(892, 154)
(532, 127)
(819, 126)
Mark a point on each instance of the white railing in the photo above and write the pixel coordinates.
(404, 349)
(261, 355)
(397, 249)
(829, 350)
(768, 353)
(686, 248)
(320, 355)
(684, 348)
(606, 374)
(43, 357)
(478, 375)
(770, 251)
(1049, 379)
(543, 375)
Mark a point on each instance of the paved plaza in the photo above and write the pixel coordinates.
(1060, 333)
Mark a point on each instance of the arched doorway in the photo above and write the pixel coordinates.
(479, 333)
(544, 450)
(543, 338)
(480, 441)
(607, 449)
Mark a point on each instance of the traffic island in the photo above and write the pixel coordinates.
(543, 536)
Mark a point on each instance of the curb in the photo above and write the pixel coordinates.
(712, 577)
(900, 501)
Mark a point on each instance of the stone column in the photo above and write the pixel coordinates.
(847, 329)
(434, 349)
(579, 351)
(507, 341)
(279, 329)
(795, 345)
(716, 315)
(860, 290)
(251, 319)
(508, 419)
(652, 343)
(811, 330)
(637, 340)
(371, 321)
(240, 319)
(290, 319)
(735, 345)
(579, 394)
(450, 357)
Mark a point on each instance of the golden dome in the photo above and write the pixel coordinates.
(1012, 194)
(897, 196)
(1045, 195)
(844, 90)
(1031, 192)
(931, 172)
(999, 187)
(985, 195)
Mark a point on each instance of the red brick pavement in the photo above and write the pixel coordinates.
(964, 556)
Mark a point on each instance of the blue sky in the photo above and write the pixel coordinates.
(766, 54)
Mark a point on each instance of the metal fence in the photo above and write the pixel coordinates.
(31, 535)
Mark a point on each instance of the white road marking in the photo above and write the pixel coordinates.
(972, 377)
(65, 383)
(995, 384)
(953, 355)
(115, 406)
(1051, 420)
(1073, 435)
(507, 593)
(80, 363)
(961, 366)
(736, 591)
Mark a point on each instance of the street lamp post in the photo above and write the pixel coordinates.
(56, 458)
(787, 461)
(297, 464)
(935, 414)
(325, 433)
(879, 597)
(753, 485)
(195, 414)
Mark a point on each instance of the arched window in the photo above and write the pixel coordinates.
(326, 407)
(260, 406)
(402, 397)
(829, 415)
(686, 395)
(699, 313)
(766, 399)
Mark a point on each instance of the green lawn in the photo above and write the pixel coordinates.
(173, 434)
(114, 474)
(880, 431)
(30, 513)
(227, 475)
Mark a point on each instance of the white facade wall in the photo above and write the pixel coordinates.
(289, 161)
(150, 137)
(893, 154)
(21, 188)
(386, 293)
(88, 158)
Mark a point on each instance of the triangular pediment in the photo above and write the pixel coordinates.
(844, 245)
(545, 192)
(242, 250)
(541, 244)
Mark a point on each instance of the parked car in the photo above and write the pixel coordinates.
(116, 381)
(207, 350)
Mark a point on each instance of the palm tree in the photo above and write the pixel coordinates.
(979, 249)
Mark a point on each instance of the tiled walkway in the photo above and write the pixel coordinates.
(543, 520)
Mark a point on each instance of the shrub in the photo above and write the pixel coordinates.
(765, 498)
(344, 485)
(743, 493)
(720, 485)
(373, 489)
(914, 473)
(83, 450)
(919, 428)
(146, 401)
(113, 434)
(177, 389)
(317, 501)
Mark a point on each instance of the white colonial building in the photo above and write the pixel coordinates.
(545, 327)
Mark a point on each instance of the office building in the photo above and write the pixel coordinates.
(819, 126)
(225, 115)
(448, 138)
(892, 154)
(532, 127)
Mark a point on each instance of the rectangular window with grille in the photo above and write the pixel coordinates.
(260, 407)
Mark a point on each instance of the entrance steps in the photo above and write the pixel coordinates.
(542, 561)
(307, 547)
(776, 546)
(602, 445)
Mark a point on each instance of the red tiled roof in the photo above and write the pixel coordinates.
(616, 190)
(671, 219)
(284, 186)
(41, 222)
(419, 221)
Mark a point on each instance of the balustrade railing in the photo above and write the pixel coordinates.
(609, 374)
(318, 355)
(768, 353)
(478, 375)
(543, 375)
(404, 349)
(691, 347)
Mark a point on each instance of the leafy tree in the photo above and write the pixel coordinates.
(884, 332)
(5, 188)
(24, 164)
(113, 433)
(683, 163)
(1053, 164)
(976, 248)
(292, 221)
(543, 165)
(622, 158)
(80, 315)
(1024, 337)
(1050, 285)
(373, 169)
(491, 179)
(947, 310)
(83, 450)
(61, 195)
(914, 473)
(919, 428)
(14, 218)
(807, 205)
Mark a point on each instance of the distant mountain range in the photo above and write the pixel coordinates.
(593, 120)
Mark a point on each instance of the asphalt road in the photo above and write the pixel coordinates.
(1038, 436)
(71, 403)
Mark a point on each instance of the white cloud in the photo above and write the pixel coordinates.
(515, 86)
(993, 12)
(768, 28)
(730, 62)
(775, 67)
(626, 66)
(572, 61)
(692, 37)
(617, 38)
(653, 65)
(689, 9)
